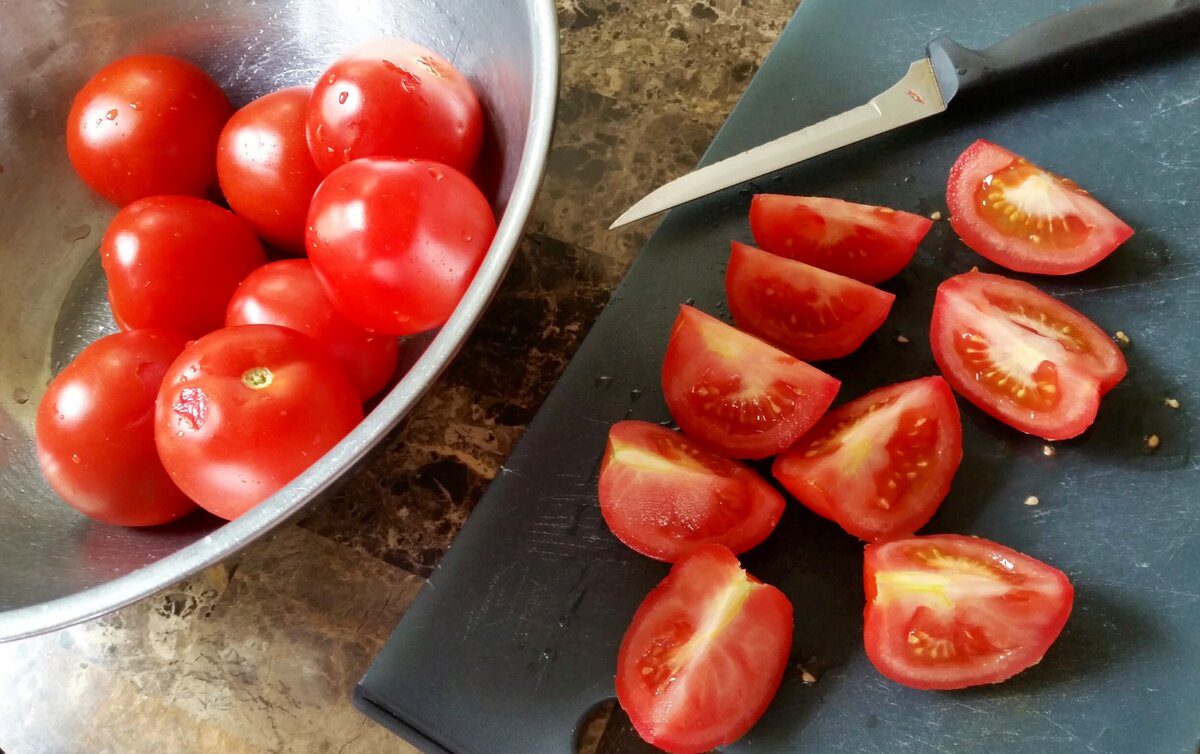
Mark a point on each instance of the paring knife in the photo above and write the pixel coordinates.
(1088, 35)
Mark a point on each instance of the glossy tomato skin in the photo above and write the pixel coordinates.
(394, 98)
(860, 241)
(1021, 355)
(244, 410)
(287, 293)
(1051, 228)
(687, 702)
(947, 611)
(173, 262)
(95, 431)
(265, 170)
(663, 495)
(808, 312)
(880, 465)
(396, 243)
(147, 125)
(735, 394)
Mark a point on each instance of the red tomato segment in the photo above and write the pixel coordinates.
(879, 466)
(808, 312)
(735, 394)
(704, 654)
(147, 125)
(173, 262)
(266, 173)
(948, 611)
(663, 495)
(860, 241)
(394, 98)
(1021, 355)
(1025, 218)
(287, 293)
(396, 243)
(245, 410)
(95, 431)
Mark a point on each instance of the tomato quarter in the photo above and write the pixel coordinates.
(245, 410)
(735, 394)
(1025, 218)
(397, 242)
(173, 262)
(1022, 356)
(394, 98)
(880, 465)
(947, 611)
(95, 431)
(663, 495)
(266, 173)
(287, 293)
(860, 241)
(147, 125)
(704, 654)
(808, 312)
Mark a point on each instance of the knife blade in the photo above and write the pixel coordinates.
(1103, 32)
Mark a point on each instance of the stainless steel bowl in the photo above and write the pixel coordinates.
(57, 567)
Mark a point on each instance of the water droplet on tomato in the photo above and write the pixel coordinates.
(111, 114)
(332, 78)
(135, 105)
(75, 457)
(343, 97)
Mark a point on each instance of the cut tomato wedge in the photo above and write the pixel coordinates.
(859, 241)
(948, 611)
(809, 312)
(1022, 356)
(704, 654)
(663, 495)
(879, 466)
(1026, 218)
(735, 394)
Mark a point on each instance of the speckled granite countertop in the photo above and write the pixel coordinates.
(261, 653)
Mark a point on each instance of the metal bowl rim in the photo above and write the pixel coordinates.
(292, 499)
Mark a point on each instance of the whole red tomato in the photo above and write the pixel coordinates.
(244, 410)
(396, 242)
(394, 98)
(265, 170)
(287, 293)
(174, 261)
(95, 431)
(147, 125)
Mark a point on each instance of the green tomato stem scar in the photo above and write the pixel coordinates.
(257, 378)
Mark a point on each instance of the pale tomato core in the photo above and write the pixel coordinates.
(1024, 201)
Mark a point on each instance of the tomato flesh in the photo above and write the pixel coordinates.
(95, 431)
(704, 654)
(735, 394)
(244, 410)
(808, 312)
(1021, 355)
(880, 465)
(663, 495)
(948, 611)
(1025, 218)
(860, 241)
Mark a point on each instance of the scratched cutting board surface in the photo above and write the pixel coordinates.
(516, 635)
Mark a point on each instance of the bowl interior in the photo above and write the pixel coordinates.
(52, 290)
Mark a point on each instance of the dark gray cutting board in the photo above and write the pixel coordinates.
(515, 637)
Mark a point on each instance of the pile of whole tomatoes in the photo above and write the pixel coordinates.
(232, 373)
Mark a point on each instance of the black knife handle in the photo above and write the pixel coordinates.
(1092, 34)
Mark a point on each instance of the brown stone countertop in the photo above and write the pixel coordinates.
(262, 652)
